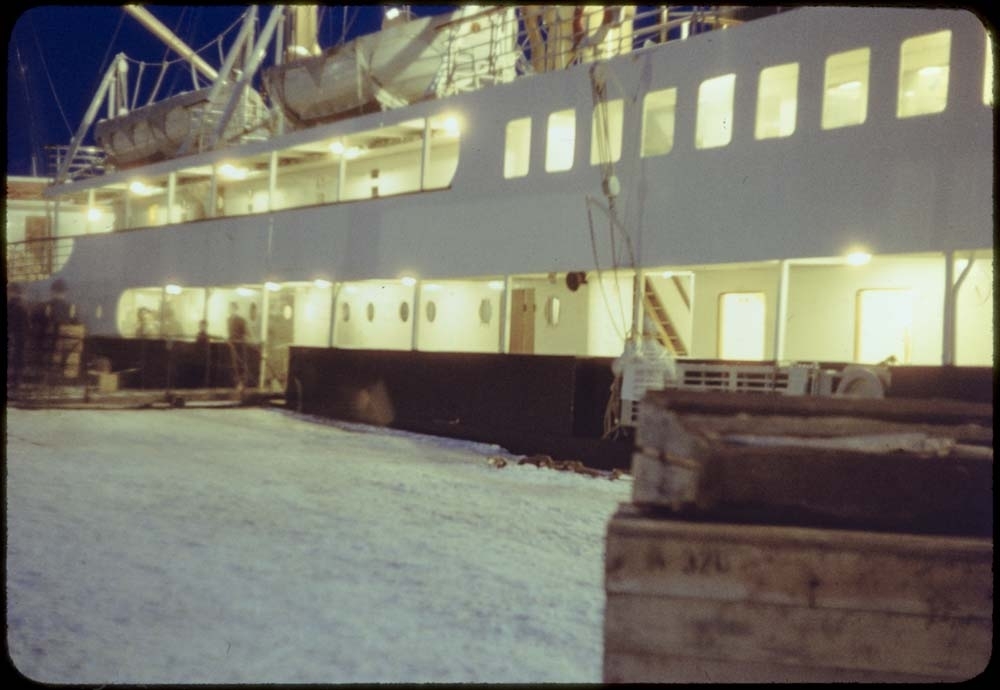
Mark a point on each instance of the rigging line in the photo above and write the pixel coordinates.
(48, 76)
(32, 122)
(600, 278)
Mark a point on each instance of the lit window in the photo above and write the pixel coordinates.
(988, 72)
(923, 74)
(741, 325)
(658, 114)
(606, 132)
(845, 89)
(777, 101)
(517, 150)
(884, 326)
(561, 140)
(714, 125)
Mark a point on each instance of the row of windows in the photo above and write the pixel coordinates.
(924, 68)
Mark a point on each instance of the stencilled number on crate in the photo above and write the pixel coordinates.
(704, 562)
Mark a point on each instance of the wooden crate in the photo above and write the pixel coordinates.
(915, 466)
(717, 602)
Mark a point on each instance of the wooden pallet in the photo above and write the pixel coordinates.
(916, 466)
(716, 602)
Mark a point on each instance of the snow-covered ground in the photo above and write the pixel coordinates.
(255, 545)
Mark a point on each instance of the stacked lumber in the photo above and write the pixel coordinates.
(703, 602)
(916, 466)
(790, 539)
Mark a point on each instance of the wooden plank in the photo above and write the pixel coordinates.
(917, 410)
(829, 425)
(625, 667)
(794, 566)
(956, 648)
(903, 491)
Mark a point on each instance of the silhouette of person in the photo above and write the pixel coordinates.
(17, 334)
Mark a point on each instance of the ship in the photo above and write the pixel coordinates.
(508, 222)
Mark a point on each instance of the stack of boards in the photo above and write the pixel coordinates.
(776, 538)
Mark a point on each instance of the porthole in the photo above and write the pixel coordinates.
(370, 312)
(485, 311)
(404, 311)
(431, 310)
(552, 308)
(345, 312)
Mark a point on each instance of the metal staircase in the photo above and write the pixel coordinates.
(666, 332)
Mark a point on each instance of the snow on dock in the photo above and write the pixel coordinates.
(260, 546)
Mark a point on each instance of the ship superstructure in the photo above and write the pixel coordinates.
(810, 185)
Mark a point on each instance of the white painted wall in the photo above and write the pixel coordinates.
(976, 312)
(710, 283)
(457, 326)
(610, 313)
(312, 315)
(822, 306)
(387, 331)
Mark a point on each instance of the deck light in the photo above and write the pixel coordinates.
(337, 148)
(495, 285)
(321, 283)
(451, 126)
(140, 188)
(244, 292)
(93, 214)
(408, 281)
(231, 172)
(273, 287)
(352, 153)
(858, 258)
(668, 274)
(173, 289)
(430, 287)
(392, 13)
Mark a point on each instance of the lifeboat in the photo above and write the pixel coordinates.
(159, 130)
(391, 68)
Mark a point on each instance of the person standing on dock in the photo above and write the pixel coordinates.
(59, 312)
(17, 333)
(237, 343)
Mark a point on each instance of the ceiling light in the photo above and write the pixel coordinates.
(858, 258)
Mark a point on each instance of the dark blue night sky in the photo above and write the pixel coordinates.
(57, 55)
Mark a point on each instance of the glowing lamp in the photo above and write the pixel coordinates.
(392, 13)
(272, 287)
(495, 285)
(173, 289)
(858, 258)
(231, 172)
(93, 214)
(320, 283)
(337, 148)
(408, 281)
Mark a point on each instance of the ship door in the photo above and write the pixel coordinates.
(280, 335)
(522, 321)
